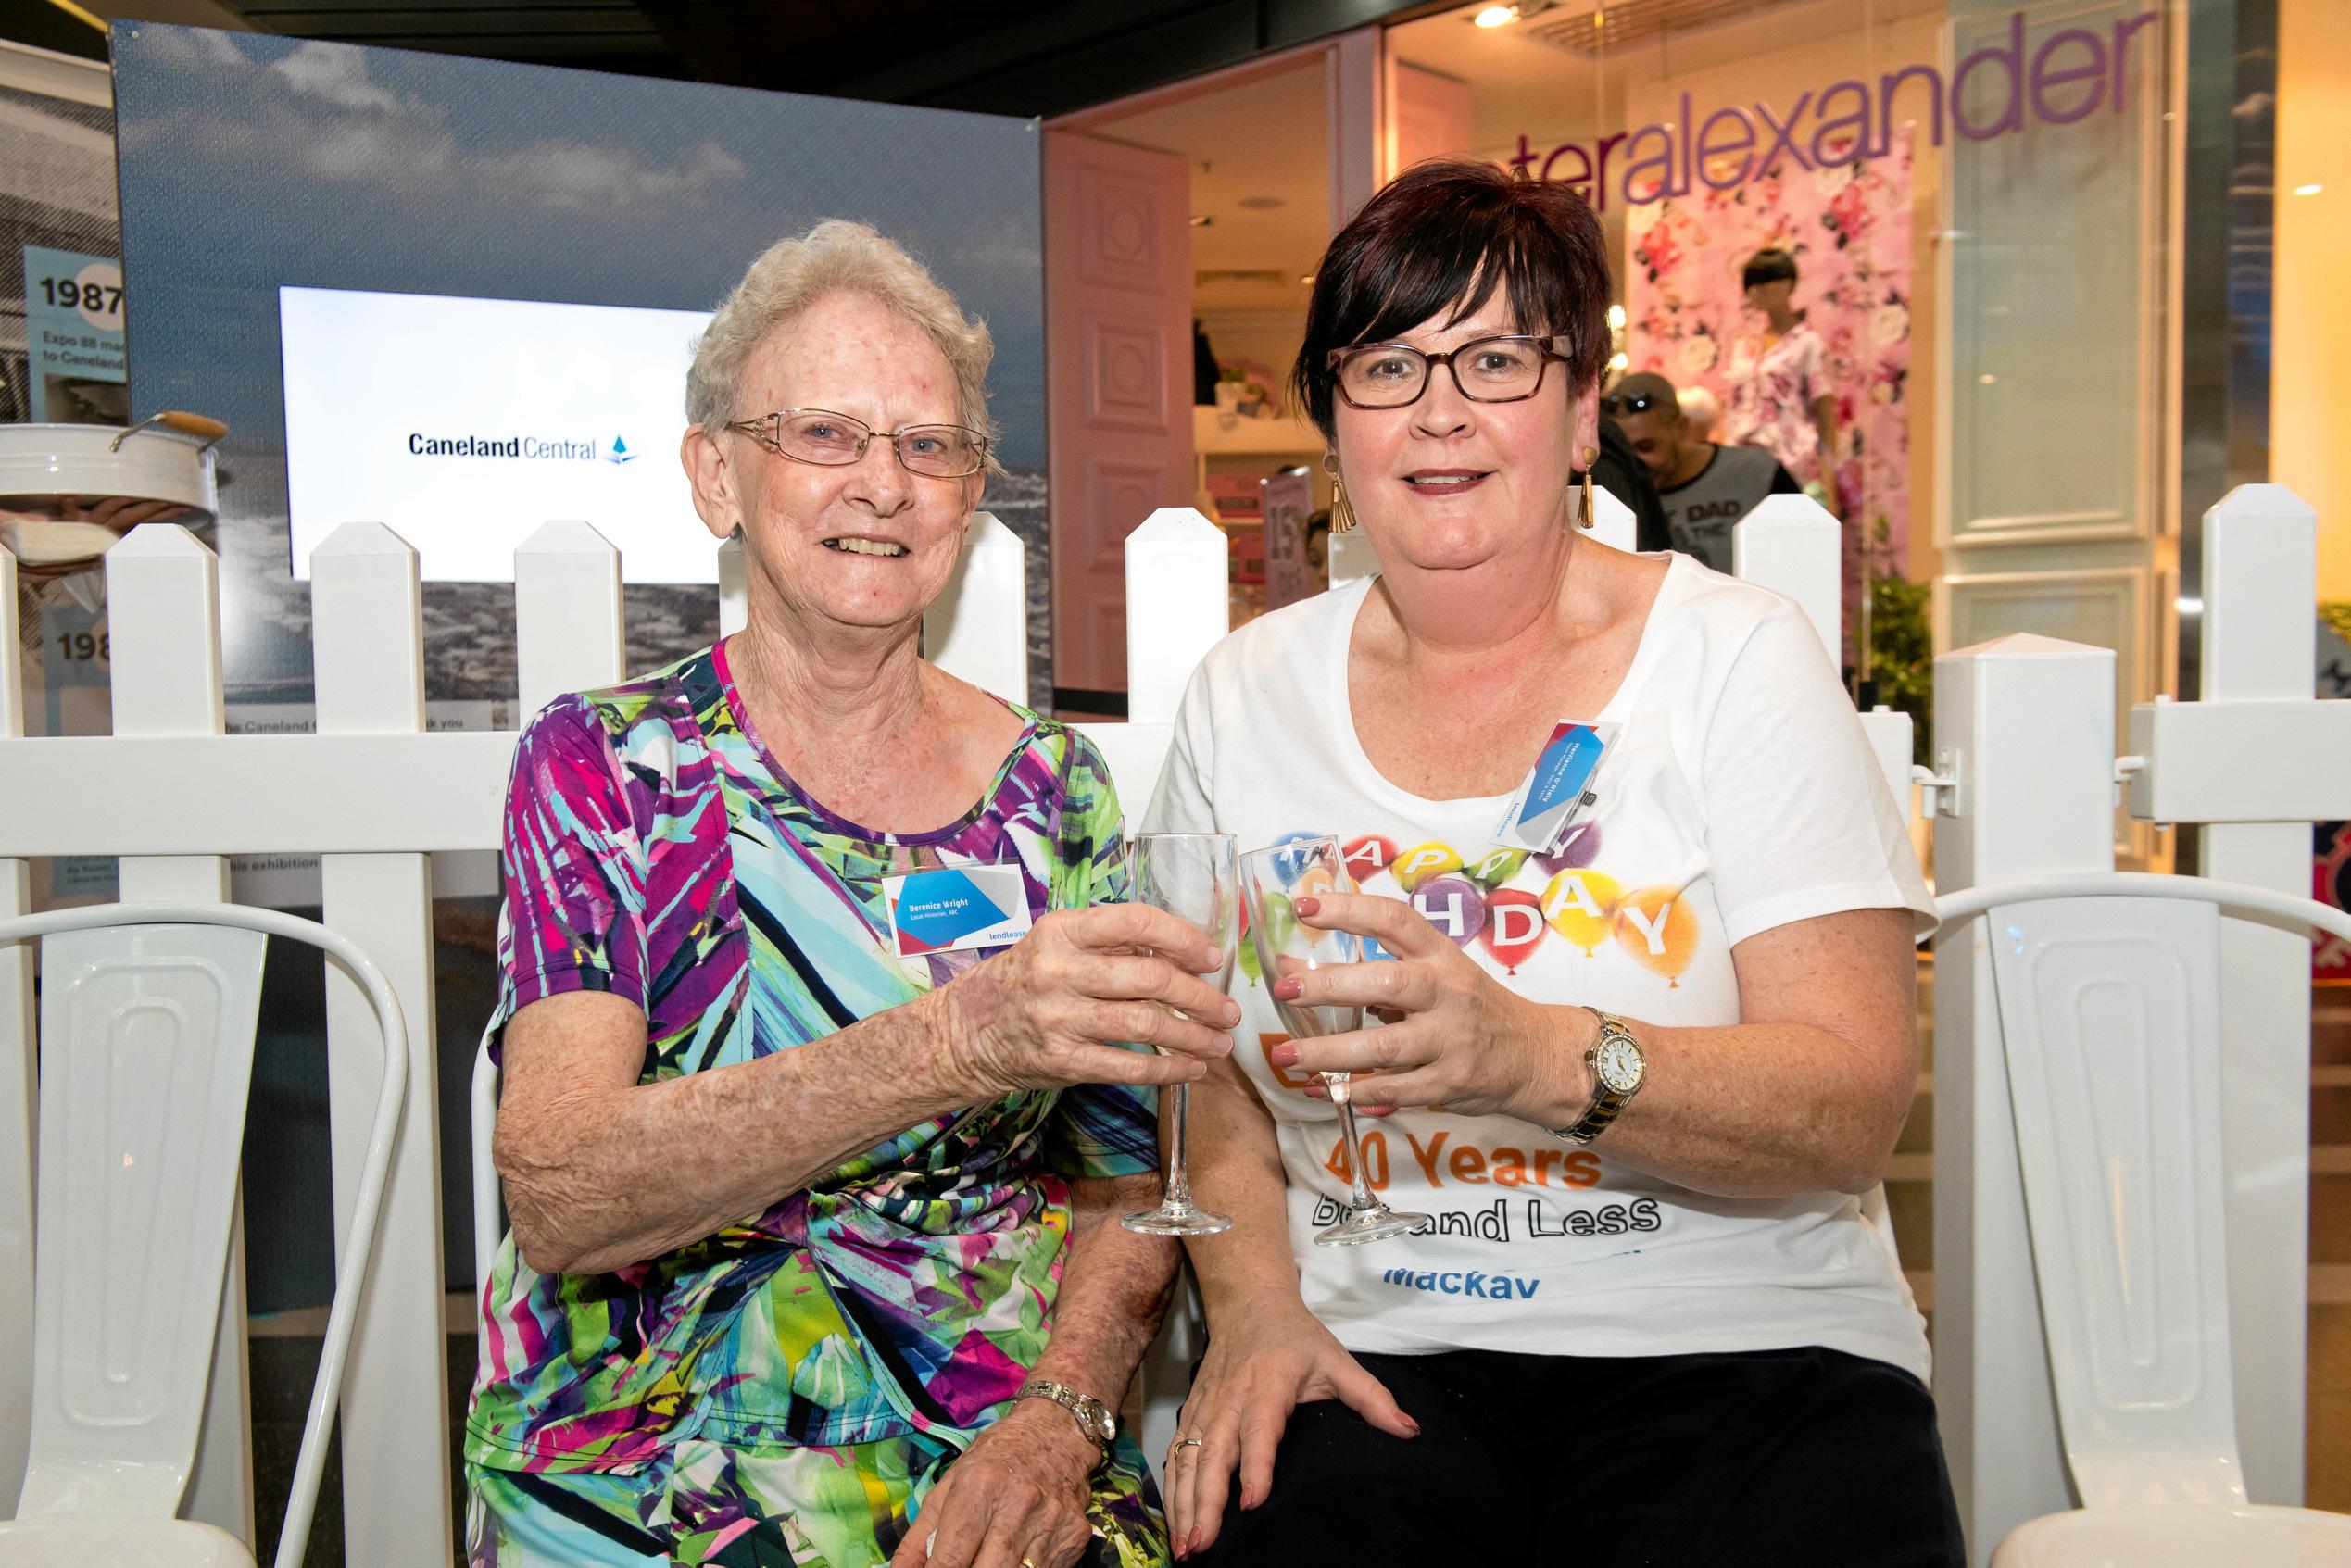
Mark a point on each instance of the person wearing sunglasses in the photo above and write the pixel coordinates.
(1704, 488)
(815, 1255)
(1635, 1072)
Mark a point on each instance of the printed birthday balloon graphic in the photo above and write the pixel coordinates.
(1581, 849)
(1423, 861)
(1655, 926)
(1514, 926)
(1582, 906)
(1245, 949)
(1495, 867)
(1368, 856)
(1453, 906)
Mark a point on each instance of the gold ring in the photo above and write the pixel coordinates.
(1183, 1443)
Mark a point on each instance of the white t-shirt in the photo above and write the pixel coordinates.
(1739, 794)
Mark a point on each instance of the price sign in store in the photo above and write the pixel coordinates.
(73, 337)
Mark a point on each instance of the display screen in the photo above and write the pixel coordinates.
(464, 425)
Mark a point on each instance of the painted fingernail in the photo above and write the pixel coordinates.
(1283, 1056)
(1307, 905)
(1288, 990)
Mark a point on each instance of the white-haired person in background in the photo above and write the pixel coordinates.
(815, 1257)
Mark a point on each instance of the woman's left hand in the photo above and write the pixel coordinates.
(1455, 1035)
(1017, 1494)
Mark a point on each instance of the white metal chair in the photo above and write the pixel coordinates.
(146, 1056)
(2109, 990)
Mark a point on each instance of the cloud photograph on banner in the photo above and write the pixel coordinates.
(261, 176)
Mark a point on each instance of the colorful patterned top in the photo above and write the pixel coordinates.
(1773, 388)
(655, 849)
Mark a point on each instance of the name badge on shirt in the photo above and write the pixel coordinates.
(1556, 788)
(953, 908)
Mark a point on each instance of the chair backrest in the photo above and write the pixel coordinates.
(146, 1056)
(2109, 993)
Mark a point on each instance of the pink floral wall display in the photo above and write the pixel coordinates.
(1848, 226)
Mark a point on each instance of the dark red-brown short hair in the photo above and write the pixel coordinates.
(1444, 235)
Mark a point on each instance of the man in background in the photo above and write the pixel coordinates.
(1704, 488)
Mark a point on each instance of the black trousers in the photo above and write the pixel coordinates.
(1807, 1456)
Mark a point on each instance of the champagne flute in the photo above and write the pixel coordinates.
(1272, 880)
(1190, 875)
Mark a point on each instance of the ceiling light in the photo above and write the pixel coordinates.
(1986, 379)
(2308, 190)
(1202, 220)
(1616, 317)
(1496, 16)
(1307, 278)
(1619, 362)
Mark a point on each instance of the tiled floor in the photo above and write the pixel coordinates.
(282, 1366)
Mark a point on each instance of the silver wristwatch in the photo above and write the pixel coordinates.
(1093, 1417)
(1616, 1069)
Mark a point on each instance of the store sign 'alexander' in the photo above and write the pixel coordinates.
(2065, 79)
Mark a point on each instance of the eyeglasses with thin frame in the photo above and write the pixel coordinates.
(1506, 369)
(1616, 403)
(831, 440)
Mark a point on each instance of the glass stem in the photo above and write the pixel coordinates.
(1180, 1183)
(1343, 1097)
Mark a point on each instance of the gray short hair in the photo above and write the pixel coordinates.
(791, 275)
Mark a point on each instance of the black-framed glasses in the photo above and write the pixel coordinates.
(822, 436)
(1616, 404)
(1508, 368)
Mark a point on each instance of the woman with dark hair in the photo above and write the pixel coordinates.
(1636, 1061)
(1780, 399)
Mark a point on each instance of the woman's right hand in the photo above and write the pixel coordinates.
(1054, 1009)
(1262, 1364)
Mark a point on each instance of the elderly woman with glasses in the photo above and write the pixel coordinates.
(815, 1114)
(1648, 1028)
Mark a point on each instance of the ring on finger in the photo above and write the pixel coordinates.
(1182, 1443)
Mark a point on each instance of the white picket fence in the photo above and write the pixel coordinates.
(376, 796)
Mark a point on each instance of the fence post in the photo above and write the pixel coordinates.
(1614, 523)
(368, 639)
(735, 594)
(567, 615)
(17, 1101)
(163, 617)
(1790, 544)
(1177, 608)
(2026, 725)
(2260, 643)
(977, 630)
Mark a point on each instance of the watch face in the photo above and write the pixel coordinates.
(1617, 1061)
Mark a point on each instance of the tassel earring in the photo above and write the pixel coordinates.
(1342, 513)
(1590, 518)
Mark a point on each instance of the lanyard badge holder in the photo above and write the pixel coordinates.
(1556, 789)
(951, 909)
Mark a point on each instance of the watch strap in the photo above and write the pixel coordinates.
(1090, 1421)
(1606, 1103)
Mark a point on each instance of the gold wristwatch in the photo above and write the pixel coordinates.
(1616, 1069)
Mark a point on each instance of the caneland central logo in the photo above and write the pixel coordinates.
(620, 453)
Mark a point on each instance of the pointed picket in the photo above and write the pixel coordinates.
(1177, 608)
(17, 1091)
(566, 613)
(1791, 545)
(163, 620)
(978, 628)
(368, 640)
(735, 604)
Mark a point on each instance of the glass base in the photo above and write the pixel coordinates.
(1178, 1219)
(1376, 1223)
